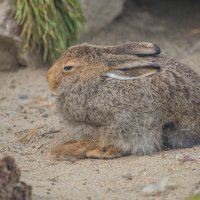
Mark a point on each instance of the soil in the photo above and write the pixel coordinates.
(30, 125)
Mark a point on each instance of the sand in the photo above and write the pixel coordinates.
(30, 126)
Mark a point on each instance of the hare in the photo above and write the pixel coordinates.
(124, 99)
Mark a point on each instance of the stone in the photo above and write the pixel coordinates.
(23, 96)
(10, 185)
(12, 54)
(100, 13)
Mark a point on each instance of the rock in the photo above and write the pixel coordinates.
(156, 188)
(100, 13)
(197, 189)
(23, 96)
(45, 115)
(128, 176)
(186, 157)
(8, 39)
(12, 55)
(10, 185)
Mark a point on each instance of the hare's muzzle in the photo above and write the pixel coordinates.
(52, 81)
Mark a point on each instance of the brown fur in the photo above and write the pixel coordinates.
(84, 149)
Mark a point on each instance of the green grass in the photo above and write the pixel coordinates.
(49, 26)
(194, 197)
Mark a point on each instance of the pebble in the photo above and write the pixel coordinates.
(128, 176)
(23, 96)
(185, 157)
(45, 115)
(12, 86)
(156, 188)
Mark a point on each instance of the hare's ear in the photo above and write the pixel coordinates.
(133, 48)
(133, 71)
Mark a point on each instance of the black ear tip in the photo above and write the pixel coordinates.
(157, 49)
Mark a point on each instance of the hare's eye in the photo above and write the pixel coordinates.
(67, 68)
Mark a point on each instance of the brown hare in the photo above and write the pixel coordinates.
(124, 99)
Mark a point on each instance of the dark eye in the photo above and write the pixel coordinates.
(67, 68)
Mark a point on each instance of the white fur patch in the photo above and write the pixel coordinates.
(115, 76)
(124, 78)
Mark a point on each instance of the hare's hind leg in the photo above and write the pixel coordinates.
(177, 136)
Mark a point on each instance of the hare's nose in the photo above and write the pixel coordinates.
(52, 80)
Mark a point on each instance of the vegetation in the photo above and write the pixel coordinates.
(194, 197)
(49, 25)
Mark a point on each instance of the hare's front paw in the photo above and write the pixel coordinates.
(84, 149)
(104, 153)
(70, 149)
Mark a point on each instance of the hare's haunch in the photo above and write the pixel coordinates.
(125, 99)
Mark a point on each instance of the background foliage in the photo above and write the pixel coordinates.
(49, 26)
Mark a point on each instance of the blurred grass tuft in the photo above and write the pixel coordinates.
(194, 197)
(49, 26)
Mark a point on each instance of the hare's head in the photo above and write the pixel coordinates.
(85, 62)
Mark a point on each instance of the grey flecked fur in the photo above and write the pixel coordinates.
(138, 116)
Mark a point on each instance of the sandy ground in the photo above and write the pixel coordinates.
(29, 124)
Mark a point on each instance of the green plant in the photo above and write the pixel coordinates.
(49, 25)
(194, 197)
